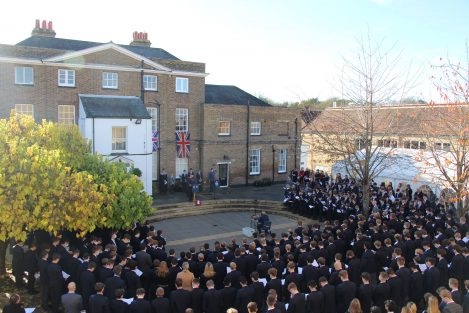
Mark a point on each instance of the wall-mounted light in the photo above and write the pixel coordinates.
(138, 121)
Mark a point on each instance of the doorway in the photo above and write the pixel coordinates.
(224, 174)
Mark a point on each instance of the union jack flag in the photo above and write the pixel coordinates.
(155, 138)
(183, 144)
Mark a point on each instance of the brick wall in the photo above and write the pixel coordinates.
(233, 149)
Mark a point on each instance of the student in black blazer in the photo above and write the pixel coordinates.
(329, 295)
(244, 295)
(140, 305)
(117, 305)
(228, 294)
(56, 281)
(345, 292)
(160, 304)
(113, 283)
(365, 293)
(98, 302)
(274, 283)
(297, 302)
(180, 299)
(315, 299)
(212, 300)
(197, 296)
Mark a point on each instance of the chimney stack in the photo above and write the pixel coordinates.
(43, 30)
(140, 39)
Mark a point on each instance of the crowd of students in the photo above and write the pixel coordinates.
(409, 254)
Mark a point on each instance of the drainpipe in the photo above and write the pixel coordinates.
(273, 164)
(296, 138)
(142, 89)
(93, 135)
(248, 130)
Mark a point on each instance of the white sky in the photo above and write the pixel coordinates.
(285, 50)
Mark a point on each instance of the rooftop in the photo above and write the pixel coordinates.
(113, 107)
(76, 45)
(231, 95)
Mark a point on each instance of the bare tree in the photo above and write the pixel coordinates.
(446, 128)
(373, 77)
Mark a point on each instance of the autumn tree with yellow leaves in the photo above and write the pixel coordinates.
(50, 181)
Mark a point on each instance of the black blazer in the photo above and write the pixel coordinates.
(56, 280)
(416, 289)
(365, 295)
(228, 295)
(220, 273)
(274, 284)
(234, 278)
(13, 308)
(315, 302)
(297, 304)
(113, 283)
(345, 292)
(431, 280)
(160, 305)
(404, 274)
(43, 277)
(118, 306)
(197, 295)
(395, 283)
(140, 306)
(17, 260)
(381, 293)
(180, 300)
(212, 301)
(132, 282)
(98, 304)
(329, 298)
(243, 297)
(262, 268)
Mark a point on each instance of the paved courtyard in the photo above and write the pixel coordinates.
(192, 231)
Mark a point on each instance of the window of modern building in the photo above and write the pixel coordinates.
(150, 82)
(66, 78)
(445, 146)
(182, 119)
(66, 114)
(27, 109)
(182, 164)
(387, 143)
(415, 145)
(119, 139)
(282, 161)
(110, 80)
(254, 161)
(182, 84)
(24, 75)
(224, 128)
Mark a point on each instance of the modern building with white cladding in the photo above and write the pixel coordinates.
(119, 127)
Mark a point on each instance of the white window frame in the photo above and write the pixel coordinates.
(154, 118)
(118, 140)
(66, 115)
(282, 161)
(67, 76)
(181, 165)
(182, 84)
(224, 130)
(150, 82)
(23, 71)
(182, 119)
(109, 77)
(256, 128)
(25, 108)
(254, 161)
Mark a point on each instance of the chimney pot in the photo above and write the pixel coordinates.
(44, 24)
(49, 26)
(145, 36)
(38, 23)
(135, 35)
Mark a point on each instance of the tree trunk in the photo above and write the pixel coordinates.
(3, 253)
(366, 197)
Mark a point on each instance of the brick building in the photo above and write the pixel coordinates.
(44, 76)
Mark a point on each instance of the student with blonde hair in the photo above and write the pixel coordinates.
(186, 276)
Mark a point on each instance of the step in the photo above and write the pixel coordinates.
(160, 216)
